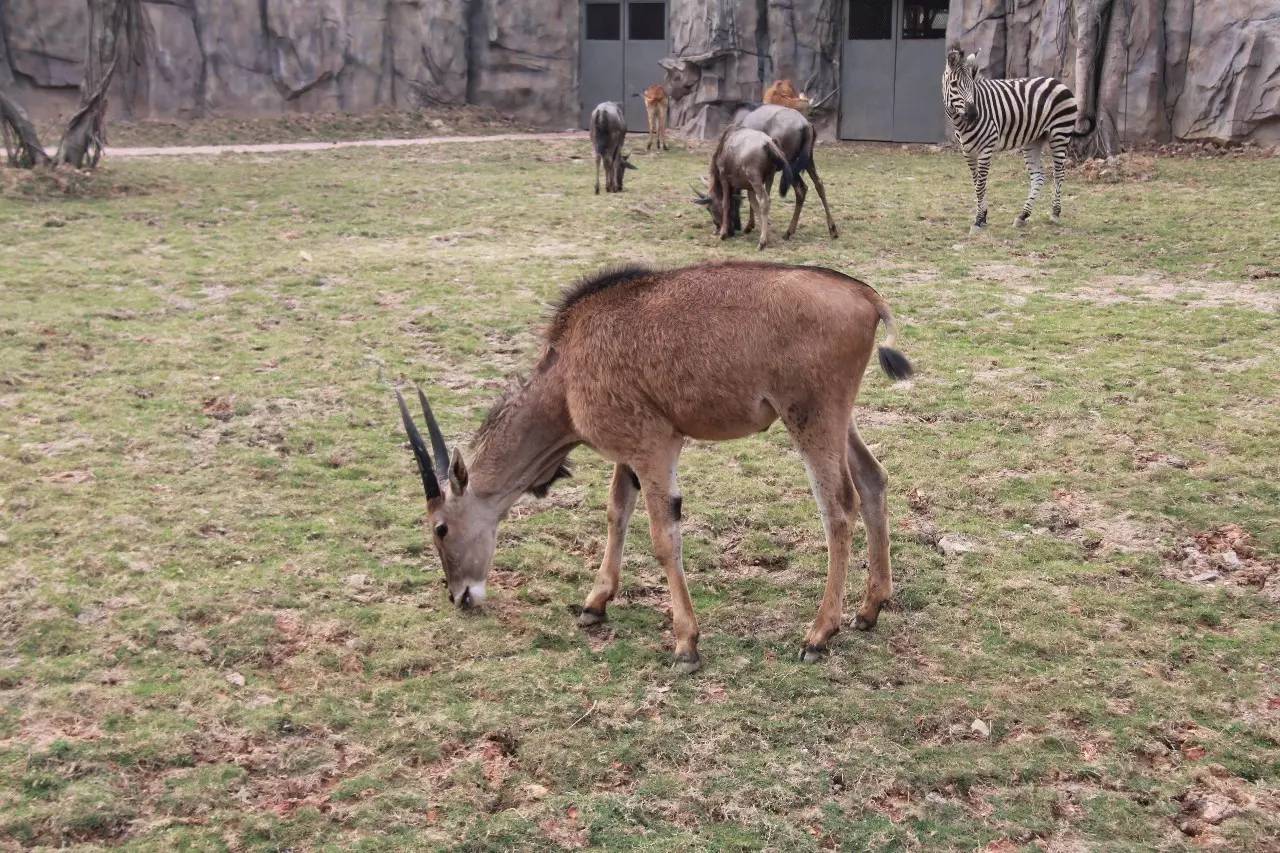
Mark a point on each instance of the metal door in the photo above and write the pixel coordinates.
(891, 70)
(646, 46)
(622, 44)
(867, 67)
(917, 85)
(601, 78)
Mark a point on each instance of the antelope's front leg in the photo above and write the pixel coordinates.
(622, 502)
(662, 499)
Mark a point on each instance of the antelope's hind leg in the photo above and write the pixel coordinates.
(823, 447)
(871, 481)
(622, 502)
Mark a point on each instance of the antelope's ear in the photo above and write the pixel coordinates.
(458, 473)
(955, 57)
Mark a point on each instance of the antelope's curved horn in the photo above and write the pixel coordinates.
(438, 446)
(429, 481)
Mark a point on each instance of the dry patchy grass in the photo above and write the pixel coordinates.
(219, 628)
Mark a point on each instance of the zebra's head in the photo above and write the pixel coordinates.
(958, 77)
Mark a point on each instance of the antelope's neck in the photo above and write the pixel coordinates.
(531, 439)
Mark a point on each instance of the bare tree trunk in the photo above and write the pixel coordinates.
(1099, 41)
(21, 142)
(117, 28)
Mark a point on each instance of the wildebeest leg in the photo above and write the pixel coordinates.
(598, 173)
(760, 199)
(1035, 171)
(751, 214)
(870, 480)
(657, 473)
(822, 443)
(801, 192)
(622, 501)
(726, 207)
(822, 194)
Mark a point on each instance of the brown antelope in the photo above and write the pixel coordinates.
(744, 159)
(783, 93)
(608, 131)
(655, 109)
(795, 136)
(634, 362)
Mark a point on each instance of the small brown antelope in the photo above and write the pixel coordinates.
(655, 110)
(608, 131)
(795, 136)
(744, 159)
(783, 93)
(634, 362)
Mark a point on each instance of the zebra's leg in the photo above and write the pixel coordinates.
(979, 166)
(1059, 146)
(1036, 172)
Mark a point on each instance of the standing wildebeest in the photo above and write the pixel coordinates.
(608, 130)
(996, 115)
(744, 159)
(655, 110)
(795, 136)
(635, 361)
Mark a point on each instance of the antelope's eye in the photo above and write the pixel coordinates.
(442, 530)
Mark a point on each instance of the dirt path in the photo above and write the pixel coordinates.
(285, 147)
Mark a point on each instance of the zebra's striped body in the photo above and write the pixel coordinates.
(998, 115)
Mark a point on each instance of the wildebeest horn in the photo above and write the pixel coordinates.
(438, 446)
(429, 481)
(699, 193)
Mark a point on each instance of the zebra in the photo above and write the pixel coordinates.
(997, 115)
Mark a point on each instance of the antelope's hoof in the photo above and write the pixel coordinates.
(761, 246)
(865, 623)
(590, 616)
(813, 654)
(687, 664)
(788, 235)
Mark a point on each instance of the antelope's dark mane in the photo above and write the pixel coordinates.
(590, 285)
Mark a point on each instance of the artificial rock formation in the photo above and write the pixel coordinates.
(1150, 70)
(264, 57)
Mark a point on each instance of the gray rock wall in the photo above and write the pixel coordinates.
(1188, 69)
(265, 57)
(1175, 69)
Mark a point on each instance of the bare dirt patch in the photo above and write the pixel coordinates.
(1118, 289)
(1224, 556)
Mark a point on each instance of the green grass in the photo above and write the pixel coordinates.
(204, 482)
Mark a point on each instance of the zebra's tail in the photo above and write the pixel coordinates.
(800, 163)
(1077, 134)
(780, 160)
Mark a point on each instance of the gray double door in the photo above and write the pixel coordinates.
(891, 63)
(622, 43)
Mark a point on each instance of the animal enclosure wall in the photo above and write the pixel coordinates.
(622, 46)
(1152, 69)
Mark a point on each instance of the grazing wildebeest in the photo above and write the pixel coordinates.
(634, 362)
(655, 110)
(608, 130)
(744, 159)
(996, 115)
(795, 136)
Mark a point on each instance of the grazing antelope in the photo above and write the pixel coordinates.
(744, 159)
(795, 136)
(655, 110)
(608, 130)
(637, 360)
(783, 93)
